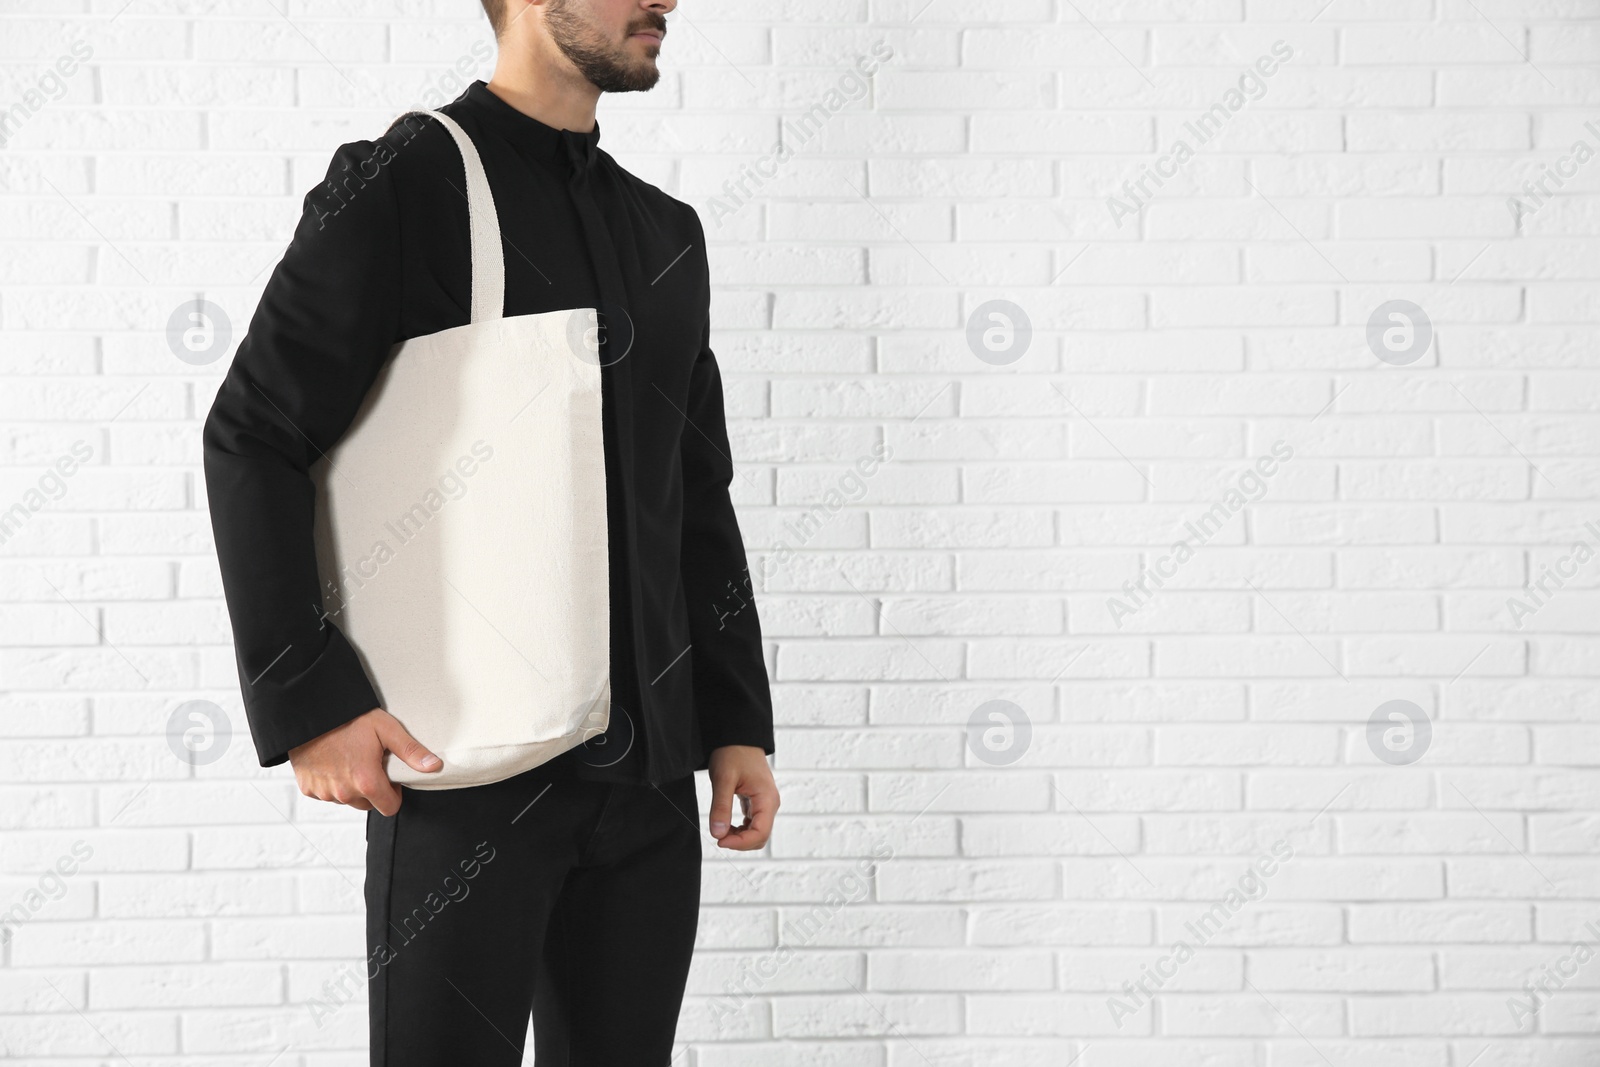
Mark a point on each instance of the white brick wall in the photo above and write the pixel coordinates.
(211, 906)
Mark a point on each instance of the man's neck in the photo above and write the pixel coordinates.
(562, 99)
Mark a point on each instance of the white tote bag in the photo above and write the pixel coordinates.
(461, 530)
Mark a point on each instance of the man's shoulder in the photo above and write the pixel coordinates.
(417, 143)
(414, 146)
(663, 204)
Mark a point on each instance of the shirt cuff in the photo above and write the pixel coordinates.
(286, 712)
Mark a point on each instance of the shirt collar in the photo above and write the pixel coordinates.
(545, 142)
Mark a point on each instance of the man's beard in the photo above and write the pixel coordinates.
(606, 65)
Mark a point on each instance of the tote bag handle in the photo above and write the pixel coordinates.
(488, 260)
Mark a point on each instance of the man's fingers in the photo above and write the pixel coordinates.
(721, 806)
(398, 739)
(362, 792)
(763, 806)
(347, 765)
(385, 797)
(369, 787)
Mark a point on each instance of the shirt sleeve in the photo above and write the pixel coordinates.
(732, 694)
(326, 321)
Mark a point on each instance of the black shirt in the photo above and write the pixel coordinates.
(381, 255)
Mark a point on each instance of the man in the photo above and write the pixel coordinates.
(570, 890)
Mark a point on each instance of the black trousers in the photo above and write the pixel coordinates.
(574, 900)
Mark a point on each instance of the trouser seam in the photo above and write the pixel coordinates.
(388, 924)
(594, 833)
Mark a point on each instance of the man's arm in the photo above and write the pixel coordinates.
(326, 321)
(732, 695)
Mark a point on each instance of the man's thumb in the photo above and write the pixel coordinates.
(397, 739)
(721, 806)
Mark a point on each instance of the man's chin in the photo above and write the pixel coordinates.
(641, 77)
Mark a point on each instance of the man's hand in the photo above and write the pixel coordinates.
(742, 771)
(345, 765)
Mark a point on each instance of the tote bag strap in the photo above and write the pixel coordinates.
(488, 260)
